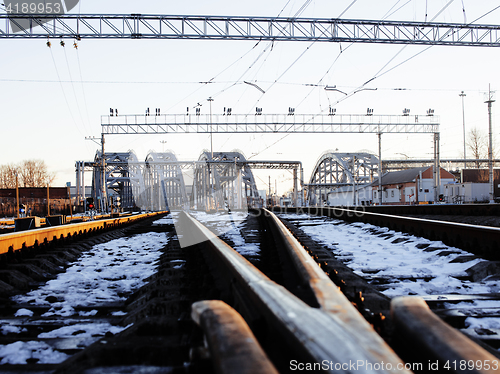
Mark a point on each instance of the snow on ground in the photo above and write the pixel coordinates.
(229, 225)
(389, 254)
(107, 273)
(20, 352)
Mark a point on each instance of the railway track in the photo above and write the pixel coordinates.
(296, 315)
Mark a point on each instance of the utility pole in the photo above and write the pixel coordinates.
(211, 177)
(103, 197)
(48, 200)
(163, 142)
(379, 168)
(211, 142)
(489, 101)
(462, 95)
(17, 194)
(104, 201)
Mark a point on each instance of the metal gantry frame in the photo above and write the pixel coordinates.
(267, 123)
(144, 26)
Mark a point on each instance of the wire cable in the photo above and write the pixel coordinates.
(64, 93)
(465, 15)
(484, 15)
(83, 87)
(302, 8)
(73, 86)
(346, 9)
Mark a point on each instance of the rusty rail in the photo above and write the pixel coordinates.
(336, 337)
(447, 349)
(233, 347)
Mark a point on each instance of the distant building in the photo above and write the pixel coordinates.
(467, 192)
(483, 176)
(411, 186)
(35, 200)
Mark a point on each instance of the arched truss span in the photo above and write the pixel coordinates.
(164, 182)
(224, 181)
(334, 170)
(123, 178)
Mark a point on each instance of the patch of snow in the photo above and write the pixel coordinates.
(19, 352)
(23, 313)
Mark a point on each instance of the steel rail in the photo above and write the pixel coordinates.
(480, 240)
(139, 26)
(425, 332)
(18, 240)
(337, 335)
(233, 347)
(326, 293)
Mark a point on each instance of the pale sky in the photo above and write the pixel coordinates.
(54, 97)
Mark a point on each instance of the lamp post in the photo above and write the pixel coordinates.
(17, 194)
(462, 95)
(210, 174)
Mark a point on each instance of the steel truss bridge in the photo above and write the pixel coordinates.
(162, 182)
(140, 26)
(336, 170)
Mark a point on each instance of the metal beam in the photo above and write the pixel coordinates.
(138, 26)
(268, 123)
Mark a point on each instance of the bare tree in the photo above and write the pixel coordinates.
(8, 176)
(31, 173)
(477, 142)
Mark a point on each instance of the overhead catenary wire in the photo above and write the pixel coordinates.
(83, 86)
(346, 9)
(73, 86)
(388, 14)
(211, 80)
(62, 89)
(381, 73)
(302, 8)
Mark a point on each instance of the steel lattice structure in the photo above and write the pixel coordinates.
(334, 170)
(139, 26)
(119, 177)
(224, 181)
(164, 181)
(159, 182)
(268, 123)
